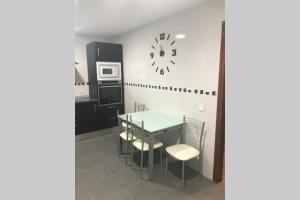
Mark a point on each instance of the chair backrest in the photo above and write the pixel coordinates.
(120, 121)
(139, 107)
(137, 126)
(194, 128)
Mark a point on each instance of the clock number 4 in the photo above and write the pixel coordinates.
(162, 36)
(173, 52)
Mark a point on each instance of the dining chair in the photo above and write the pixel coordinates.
(142, 143)
(185, 152)
(137, 108)
(125, 135)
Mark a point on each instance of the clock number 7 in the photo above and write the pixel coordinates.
(151, 55)
(162, 36)
(173, 52)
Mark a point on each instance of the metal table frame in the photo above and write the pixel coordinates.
(151, 136)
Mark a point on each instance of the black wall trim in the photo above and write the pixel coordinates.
(172, 89)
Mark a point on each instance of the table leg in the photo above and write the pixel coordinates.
(150, 158)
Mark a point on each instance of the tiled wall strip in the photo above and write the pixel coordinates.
(171, 88)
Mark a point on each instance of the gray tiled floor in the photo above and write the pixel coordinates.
(102, 175)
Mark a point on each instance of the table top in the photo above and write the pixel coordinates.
(153, 121)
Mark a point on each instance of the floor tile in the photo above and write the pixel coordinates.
(116, 166)
(82, 195)
(120, 196)
(113, 184)
(146, 190)
(90, 175)
(86, 163)
(165, 196)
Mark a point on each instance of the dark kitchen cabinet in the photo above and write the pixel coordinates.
(101, 51)
(89, 116)
(107, 115)
(85, 117)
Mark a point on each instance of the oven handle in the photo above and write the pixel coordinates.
(105, 86)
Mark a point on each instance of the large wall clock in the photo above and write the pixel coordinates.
(163, 53)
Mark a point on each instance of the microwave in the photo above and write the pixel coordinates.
(108, 71)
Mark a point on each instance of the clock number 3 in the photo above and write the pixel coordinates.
(173, 52)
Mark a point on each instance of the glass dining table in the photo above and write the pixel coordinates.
(154, 124)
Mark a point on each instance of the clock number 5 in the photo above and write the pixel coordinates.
(162, 72)
(162, 36)
(173, 52)
(152, 55)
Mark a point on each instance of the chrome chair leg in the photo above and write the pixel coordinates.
(121, 146)
(161, 161)
(183, 181)
(167, 164)
(141, 166)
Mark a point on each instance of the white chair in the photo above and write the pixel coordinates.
(142, 143)
(185, 152)
(125, 135)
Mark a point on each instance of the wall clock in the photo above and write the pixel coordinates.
(163, 53)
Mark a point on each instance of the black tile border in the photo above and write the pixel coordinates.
(172, 89)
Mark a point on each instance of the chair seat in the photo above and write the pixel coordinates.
(138, 144)
(182, 152)
(124, 124)
(124, 136)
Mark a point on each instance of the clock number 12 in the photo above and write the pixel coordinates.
(162, 36)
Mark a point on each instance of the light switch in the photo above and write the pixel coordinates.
(201, 107)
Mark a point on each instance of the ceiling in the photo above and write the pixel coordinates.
(109, 18)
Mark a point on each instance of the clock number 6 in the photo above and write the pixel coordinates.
(162, 36)
(173, 52)
(162, 72)
(152, 55)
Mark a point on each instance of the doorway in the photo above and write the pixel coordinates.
(219, 157)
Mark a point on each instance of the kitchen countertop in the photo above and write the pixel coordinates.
(85, 99)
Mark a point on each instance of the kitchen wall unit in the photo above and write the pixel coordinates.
(90, 116)
(81, 40)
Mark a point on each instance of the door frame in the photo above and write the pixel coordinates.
(220, 119)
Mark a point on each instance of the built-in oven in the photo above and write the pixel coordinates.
(108, 71)
(110, 94)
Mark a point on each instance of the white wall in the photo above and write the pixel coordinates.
(197, 65)
(80, 56)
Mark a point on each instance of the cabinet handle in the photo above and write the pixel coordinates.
(111, 107)
(98, 51)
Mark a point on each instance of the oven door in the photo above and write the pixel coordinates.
(110, 94)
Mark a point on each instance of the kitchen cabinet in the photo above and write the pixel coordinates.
(85, 117)
(107, 115)
(108, 52)
(105, 52)
(89, 116)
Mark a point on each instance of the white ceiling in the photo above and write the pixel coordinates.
(109, 18)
